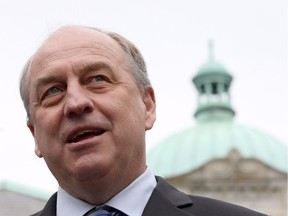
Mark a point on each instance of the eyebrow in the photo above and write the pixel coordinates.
(93, 67)
(44, 80)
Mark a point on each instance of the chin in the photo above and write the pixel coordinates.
(90, 170)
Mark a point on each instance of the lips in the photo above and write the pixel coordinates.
(83, 134)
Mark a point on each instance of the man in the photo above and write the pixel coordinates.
(89, 103)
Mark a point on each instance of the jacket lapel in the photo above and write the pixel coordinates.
(50, 207)
(168, 201)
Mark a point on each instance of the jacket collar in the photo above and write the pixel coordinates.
(167, 200)
(50, 207)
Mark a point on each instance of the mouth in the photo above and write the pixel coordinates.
(83, 135)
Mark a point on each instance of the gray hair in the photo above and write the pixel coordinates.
(134, 57)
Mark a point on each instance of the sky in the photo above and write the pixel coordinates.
(250, 40)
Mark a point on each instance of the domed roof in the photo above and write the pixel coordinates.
(215, 133)
(213, 67)
(188, 150)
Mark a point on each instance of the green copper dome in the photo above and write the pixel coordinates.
(215, 133)
(186, 151)
(212, 66)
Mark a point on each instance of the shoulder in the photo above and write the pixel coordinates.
(208, 206)
(197, 205)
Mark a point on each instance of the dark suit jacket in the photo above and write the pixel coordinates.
(168, 201)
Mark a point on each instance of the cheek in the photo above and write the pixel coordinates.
(47, 127)
(48, 119)
(129, 122)
(46, 130)
(128, 114)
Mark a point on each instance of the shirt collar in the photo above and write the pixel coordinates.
(131, 200)
(69, 205)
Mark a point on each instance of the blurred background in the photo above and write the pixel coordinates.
(223, 135)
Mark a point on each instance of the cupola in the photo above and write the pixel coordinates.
(212, 82)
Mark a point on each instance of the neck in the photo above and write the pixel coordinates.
(98, 191)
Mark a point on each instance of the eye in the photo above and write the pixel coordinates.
(99, 78)
(98, 81)
(51, 91)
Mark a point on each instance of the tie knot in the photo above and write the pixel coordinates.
(104, 211)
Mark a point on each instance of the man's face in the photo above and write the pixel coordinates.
(88, 117)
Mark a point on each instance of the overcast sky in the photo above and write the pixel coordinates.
(250, 40)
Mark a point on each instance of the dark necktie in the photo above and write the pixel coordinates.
(104, 211)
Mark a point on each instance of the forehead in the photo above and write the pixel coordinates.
(70, 42)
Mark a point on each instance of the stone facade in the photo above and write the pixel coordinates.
(17, 204)
(245, 182)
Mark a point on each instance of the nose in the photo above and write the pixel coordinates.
(77, 102)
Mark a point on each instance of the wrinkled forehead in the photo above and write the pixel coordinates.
(69, 38)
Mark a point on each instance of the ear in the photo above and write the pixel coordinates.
(150, 104)
(32, 130)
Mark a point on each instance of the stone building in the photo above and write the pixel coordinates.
(221, 159)
(18, 199)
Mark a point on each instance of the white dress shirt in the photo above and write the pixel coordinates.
(131, 200)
